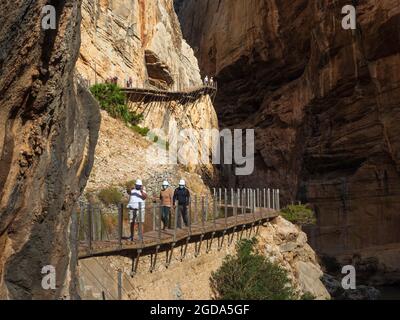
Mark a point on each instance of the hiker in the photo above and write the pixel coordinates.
(212, 82)
(136, 206)
(167, 198)
(130, 82)
(182, 196)
(206, 80)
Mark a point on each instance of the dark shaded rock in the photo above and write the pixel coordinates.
(335, 289)
(48, 132)
(324, 102)
(159, 73)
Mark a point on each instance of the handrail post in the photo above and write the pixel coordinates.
(269, 198)
(237, 203)
(141, 215)
(215, 209)
(120, 223)
(89, 209)
(154, 217)
(264, 198)
(254, 204)
(273, 199)
(196, 212)
(189, 216)
(176, 219)
(207, 208)
(226, 208)
(159, 225)
(278, 205)
(244, 198)
(203, 211)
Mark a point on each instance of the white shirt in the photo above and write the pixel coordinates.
(135, 199)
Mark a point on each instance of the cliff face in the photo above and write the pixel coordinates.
(139, 39)
(48, 132)
(280, 242)
(324, 102)
(143, 40)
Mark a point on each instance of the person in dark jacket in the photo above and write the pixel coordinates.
(182, 197)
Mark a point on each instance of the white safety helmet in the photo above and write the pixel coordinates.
(165, 183)
(139, 182)
(182, 183)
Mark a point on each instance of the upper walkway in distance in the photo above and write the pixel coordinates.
(190, 94)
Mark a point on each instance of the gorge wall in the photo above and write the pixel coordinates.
(48, 132)
(139, 39)
(143, 40)
(324, 101)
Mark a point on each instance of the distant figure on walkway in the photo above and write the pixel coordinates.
(167, 199)
(206, 81)
(182, 196)
(211, 81)
(130, 82)
(137, 208)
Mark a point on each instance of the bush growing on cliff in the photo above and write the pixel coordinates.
(250, 276)
(299, 214)
(110, 196)
(113, 100)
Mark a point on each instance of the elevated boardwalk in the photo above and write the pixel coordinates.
(221, 217)
(190, 94)
(160, 238)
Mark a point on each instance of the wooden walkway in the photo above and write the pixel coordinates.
(193, 93)
(159, 239)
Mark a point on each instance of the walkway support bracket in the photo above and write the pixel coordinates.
(153, 259)
(198, 246)
(169, 255)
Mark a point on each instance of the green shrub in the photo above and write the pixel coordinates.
(307, 296)
(250, 276)
(140, 130)
(113, 100)
(110, 196)
(299, 214)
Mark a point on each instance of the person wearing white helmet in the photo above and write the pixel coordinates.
(137, 207)
(182, 199)
(166, 197)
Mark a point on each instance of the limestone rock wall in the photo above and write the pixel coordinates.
(324, 102)
(48, 132)
(117, 34)
(280, 241)
(184, 124)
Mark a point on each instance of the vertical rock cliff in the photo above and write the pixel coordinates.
(324, 102)
(139, 39)
(143, 40)
(48, 132)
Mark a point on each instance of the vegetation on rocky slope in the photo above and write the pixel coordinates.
(299, 214)
(250, 276)
(113, 100)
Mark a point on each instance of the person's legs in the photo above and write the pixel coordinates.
(180, 213)
(165, 217)
(185, 215)
(132, 220)
(140, 220)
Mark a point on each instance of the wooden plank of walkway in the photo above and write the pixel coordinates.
(151, 239)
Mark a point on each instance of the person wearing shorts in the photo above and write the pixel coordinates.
(137, 207)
